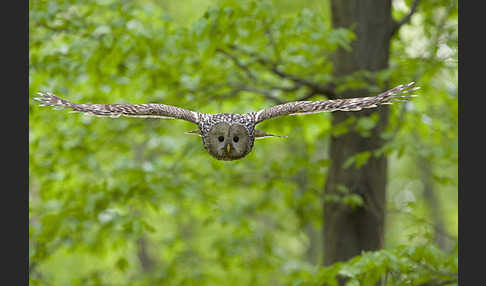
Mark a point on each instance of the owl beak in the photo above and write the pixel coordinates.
(228, 147)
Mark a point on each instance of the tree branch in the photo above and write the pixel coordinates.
(298, 81)
(237, 62)
(263, 92)
(398, 24)
(313, 88)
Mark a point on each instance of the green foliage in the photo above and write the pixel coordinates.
(418, 265)
(99, 186)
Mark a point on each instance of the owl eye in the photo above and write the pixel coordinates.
(221, 138)
(235, 139)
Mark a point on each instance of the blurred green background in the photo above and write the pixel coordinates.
(137, 202)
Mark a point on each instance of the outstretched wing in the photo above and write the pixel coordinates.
(150, 110)
(346, 104)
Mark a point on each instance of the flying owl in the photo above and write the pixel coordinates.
(230, 136)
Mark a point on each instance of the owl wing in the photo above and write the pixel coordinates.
(150, 110)
(345, 104)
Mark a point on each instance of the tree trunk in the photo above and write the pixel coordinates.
(146, 262)
(433, 203)
(349, 231)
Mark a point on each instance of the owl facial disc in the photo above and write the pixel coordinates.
(226, 141)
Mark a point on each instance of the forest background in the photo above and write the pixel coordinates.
(138, 202)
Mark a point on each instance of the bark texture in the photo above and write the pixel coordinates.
(349, 231)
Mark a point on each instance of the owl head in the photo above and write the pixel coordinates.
(228, 141)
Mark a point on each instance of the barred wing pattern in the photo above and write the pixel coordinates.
(347, 104)
(150, 110)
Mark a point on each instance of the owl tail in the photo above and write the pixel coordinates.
(261, 134)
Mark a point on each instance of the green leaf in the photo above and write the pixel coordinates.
(362, 158)
(122, 264)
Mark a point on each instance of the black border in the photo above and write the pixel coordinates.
(471, 142)
(15, 142)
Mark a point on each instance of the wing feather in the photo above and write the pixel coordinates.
(151, 110)
(345, 104)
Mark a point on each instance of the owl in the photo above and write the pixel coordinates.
(229, 136)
